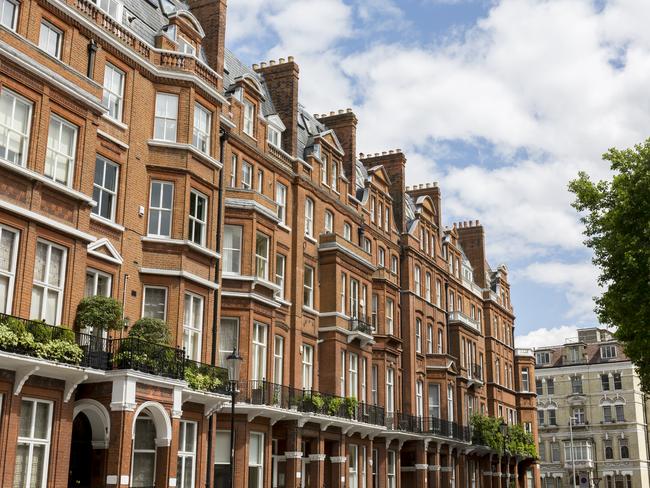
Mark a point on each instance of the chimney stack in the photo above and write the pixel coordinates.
(344, 125)
(212, 16)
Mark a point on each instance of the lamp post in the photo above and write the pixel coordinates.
(573, 453)
(503, 428)
(234, 364)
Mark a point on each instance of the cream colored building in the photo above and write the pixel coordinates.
(589, 379)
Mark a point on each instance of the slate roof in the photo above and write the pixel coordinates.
(234, 69)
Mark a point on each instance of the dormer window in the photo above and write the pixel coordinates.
(274, 136)
(185, 47)
(113, 8)
(249, 118)
(324, 165)
(543, 357)
(334, 176)
(608, 351)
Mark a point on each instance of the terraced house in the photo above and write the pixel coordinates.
(141, 160)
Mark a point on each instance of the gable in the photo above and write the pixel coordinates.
(104, 249)
(330, 137)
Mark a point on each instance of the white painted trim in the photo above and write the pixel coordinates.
(115, 122)
(104, 242)
(100, 420)
(335, 246)
(182, 242)
(186, 147)
(180, 273)
(251, 205)
(251, 296)
(161, 421)
(227, 122)
(42, 219)
(107, 223)
(109, 137)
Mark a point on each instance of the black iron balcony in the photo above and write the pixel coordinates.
(308, 401)
(427, 425)
(148, 357)
(205, 377)
(361, 324)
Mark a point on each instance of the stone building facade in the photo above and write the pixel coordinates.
(588, 382)
(140, 159)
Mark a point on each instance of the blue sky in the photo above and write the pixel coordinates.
(501, 102)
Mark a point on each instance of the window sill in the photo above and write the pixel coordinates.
(284, 227)
(206, 158)
(33, 175)
(311, 239)
(309, 310)
(107, 223)
(181, 242)
(115, 122)
(114, 140)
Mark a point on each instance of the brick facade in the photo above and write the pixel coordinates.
(200, 191)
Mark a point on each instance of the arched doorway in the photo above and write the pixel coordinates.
(151, 429)
(81, 453)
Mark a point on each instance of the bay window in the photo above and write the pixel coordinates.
(390, 392)
(198, 217)
(193, 326)
(259, 351)
(166, 117)
(8, 257)
(307, 367)
(228, 338)
(353, 375)
(232, 243)
(61, 150)
(249, 118)
(49, 282)
(262, 256)
(247, 175)
(390, 307)
(202, 128)
(160, 209)
(434, 400)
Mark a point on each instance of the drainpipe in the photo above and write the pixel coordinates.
(92, 51)
(223, 137)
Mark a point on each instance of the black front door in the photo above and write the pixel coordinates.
(81, 453)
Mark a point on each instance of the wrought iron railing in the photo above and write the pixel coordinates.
(476, 372)
(361, 324)
(427, 425)
(205, 377)
(148, 357)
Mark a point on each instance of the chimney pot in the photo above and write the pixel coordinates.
(383, 153)
(332, 112)
(477, 222)
(290, 59)
(348, 110)
(390, 151)
(281, 61)
(376, 154)
(263, 64)
(272, 62)
(255, 66)
(340, 111)
(427, 185)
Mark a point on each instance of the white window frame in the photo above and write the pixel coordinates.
(307, 367)
(193, 334)
(262, 259)
(184, 454)
(417, 277)
(329, 221)
(608, 351)
(234, 163)
(450, 403)
(429, 338)
(390, 390)
(45, 37)
(342, 375)
(198, 221)
(391, 469)
(185, 47)
(374, 384)
(343, 294)
(434, 400)
(54, 156)
(353, 375)
(113, 93)
(202, 128)
(114, 8)
(260, 341)
(281, 201)
(280, 272)
(45, 286)
(278, 359)
(427, 287)
(101, 191)
(323, 170)
(158, 208)
(347, 231)
(419, 398)
(525, 381)
(390, 313)
(260, 181)
(354, 298)
(309, 217)
(233, 253)
(418, 335)
(274, 136)
(166, 113)
(364, 375)
(308, 287)
(10, 272)
(223, 353)
(145, 415)
(249, 118)
(96, 274)
(32, 441)
(10, 130)
(259, 465)
(14, 17)
(247, 175)
(144, 299)
(353, 466)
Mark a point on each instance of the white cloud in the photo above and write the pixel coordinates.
(547, 337)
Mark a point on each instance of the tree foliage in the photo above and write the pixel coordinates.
(521, 443)
(616, 215)
(151, 330)
(99, 313)
(486, 432)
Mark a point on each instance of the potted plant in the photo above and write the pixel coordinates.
(334, 406)
(351, 404)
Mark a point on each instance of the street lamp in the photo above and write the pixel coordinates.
(234, 364)
(573, 453)
(503, 428)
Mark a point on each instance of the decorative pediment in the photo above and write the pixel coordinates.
(104, 249)
(330, 137)
(379, 172)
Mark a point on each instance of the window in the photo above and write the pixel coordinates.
(374, 384)
(232, 242)
(307, 367)
(249, 118)
(111, 7)
(33, 446)
(8, 257)
(578, 414)
(113, 93)
(278, 359)
(49, 281)
(259, 352)
(419, 399)
(416, 279)
(334, 176)
(353, 375)
(233, 171)
(281, 201)
(374, 311)
(381, 257)
(185, 47)
(542, 451)
(9, 13)
(552, 419)
(625, 450)
(308, 287)
(620, 413)
(539, 386)
(427, 287)
(274, 136)
(198, 217)
(543, 357)
(354, 298)
(228, 338)
(353, 466)
(143, 470)
(418, 335)
(342, 376)
(105, 188)
(440, 341)
(390, 310)
(391, 469)
(429, 339)
(367, 245)
(15, 119)
(450, 302)
(364, 376)
(450, 403)
(256, 460)
(202, 128)
(390, 394)
(50, 39)
(222, 458)
(550, 386)
(186, 465)
(618, 384)
(373, 202)
(347, 231)
(607, 413)
(155, 302)
(343, 293)
(604, 381)
(525, 386)
(393, 264)
(576, 384)
(434, 400)
(260, 181)
(555, 452)
(160, 209)
(329, 221)
(280, 264)
(540, 417)
(323, 170)
(193, 326)
(166, 117)
(262, 256)
(61, 150)
(608, 351)
(309, 217)
(609, 450)
(97, 284)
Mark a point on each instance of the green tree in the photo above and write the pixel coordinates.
(151, 330)
(98, 312)
(616, 214)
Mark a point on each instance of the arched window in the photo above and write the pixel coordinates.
(144, 451)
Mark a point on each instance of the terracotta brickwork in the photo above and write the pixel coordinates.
(140, 159)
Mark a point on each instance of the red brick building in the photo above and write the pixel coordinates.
(139, 159)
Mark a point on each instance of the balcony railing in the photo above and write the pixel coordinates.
(205, 377)
(457, 316)
(148, 357)
(308, 401)
(361, 324)
(427, 425)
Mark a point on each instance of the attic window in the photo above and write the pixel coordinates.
(274, 136)
(113, 8)
(249, 118)
(543, 357)
(185, 47)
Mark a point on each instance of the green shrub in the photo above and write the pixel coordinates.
(334, 406)
(151, 330)
(99, 313)
(351, 404)
(41, 331)
(64, 334)
(316, 401)
(16, 326)
(8, 338)
(486, 431)
(61, 350)
(199, 380)
(521, 443)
